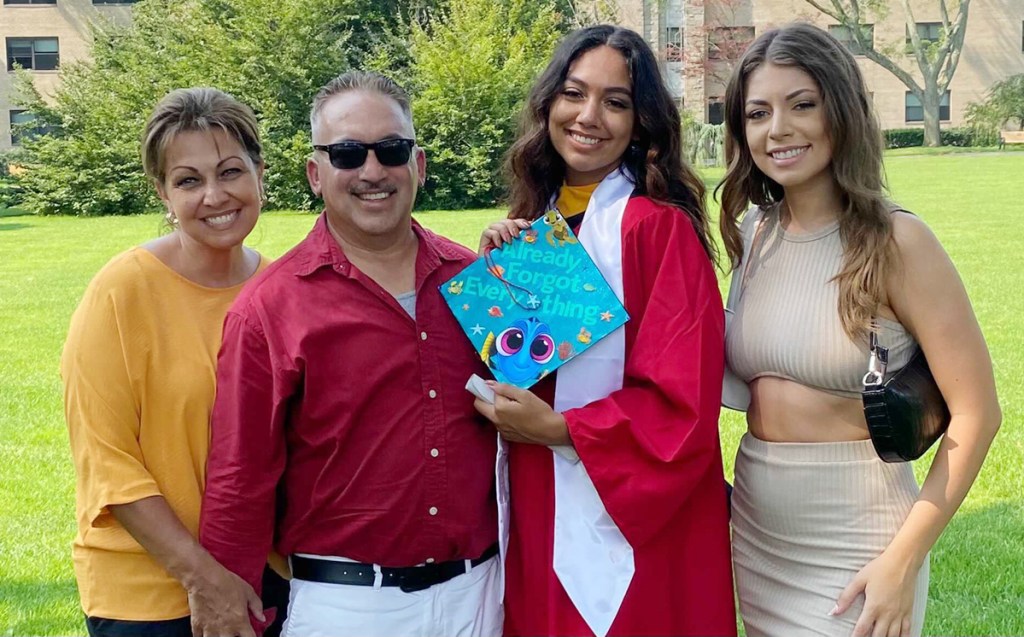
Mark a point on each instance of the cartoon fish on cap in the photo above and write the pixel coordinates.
(520, 351)
(495, 311)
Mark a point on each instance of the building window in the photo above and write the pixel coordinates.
(674, 44)
(844, 34)
(728, 43)
(915, 112)
(716, 110)
(19, 129)
(37, 54)
(30, 1)
(927, 31)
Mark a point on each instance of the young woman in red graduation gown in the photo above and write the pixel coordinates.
(633, 538)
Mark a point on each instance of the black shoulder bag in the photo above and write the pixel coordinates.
(905, 413)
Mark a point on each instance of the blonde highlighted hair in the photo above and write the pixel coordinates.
(197, 109)
(865, 224)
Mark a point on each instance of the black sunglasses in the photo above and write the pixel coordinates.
(349, 155)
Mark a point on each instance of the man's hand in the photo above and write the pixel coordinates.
(220, 603)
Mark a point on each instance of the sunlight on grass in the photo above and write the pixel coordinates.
(973, 203)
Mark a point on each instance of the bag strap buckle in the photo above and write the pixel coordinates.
(877, 363)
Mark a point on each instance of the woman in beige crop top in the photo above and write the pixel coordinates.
(827, 538)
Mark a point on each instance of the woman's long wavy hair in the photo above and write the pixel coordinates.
(536, 171)
(864, 221)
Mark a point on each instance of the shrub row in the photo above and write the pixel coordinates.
(961, 137)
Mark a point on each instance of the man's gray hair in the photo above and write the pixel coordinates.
(360, 81)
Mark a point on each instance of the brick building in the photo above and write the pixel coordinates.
(40, 35)
(698, 38)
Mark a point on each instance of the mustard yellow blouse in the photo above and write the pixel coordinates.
(139, 376)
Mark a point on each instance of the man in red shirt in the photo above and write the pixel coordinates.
(342, 435)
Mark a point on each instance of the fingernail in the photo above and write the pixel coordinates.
(834, 611)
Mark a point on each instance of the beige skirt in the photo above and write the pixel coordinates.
(806, 518)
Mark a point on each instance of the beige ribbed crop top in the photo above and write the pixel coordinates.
(786, 320)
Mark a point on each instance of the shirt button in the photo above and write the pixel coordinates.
(433, 511)
(434, 453)
(430, 560)
(432, 393)
(423, 336)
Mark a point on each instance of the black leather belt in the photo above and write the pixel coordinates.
(409, 579)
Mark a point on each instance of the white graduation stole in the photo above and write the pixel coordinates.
(592, 558)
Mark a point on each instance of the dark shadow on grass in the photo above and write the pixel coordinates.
(13, 212)
(21, 598)
(13, 226)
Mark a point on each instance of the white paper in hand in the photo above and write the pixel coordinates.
(479, 388)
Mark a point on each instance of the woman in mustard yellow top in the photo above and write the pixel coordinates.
(138, 371)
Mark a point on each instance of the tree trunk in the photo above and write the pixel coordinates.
(930, 106)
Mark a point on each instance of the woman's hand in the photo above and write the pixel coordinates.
(888, 583)
(219, 600)
(220, 603)
(519, 416)
(501, 232)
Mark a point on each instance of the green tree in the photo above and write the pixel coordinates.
(936, 55)
(271, 55)
(472, 66)
(1004, 102)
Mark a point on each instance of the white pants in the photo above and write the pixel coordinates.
(464, 606)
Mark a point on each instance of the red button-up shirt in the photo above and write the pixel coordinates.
(341, 425)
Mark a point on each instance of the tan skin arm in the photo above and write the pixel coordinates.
(930, 300)
(217, 598)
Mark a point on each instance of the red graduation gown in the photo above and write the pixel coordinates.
(651, 449)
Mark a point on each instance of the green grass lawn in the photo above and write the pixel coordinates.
(951, 150)
(975, 204)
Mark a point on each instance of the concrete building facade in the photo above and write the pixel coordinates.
(40, 36)
(698, 40)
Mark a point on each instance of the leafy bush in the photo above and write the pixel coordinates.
(271, 55)
(964, 137)
(468, 68)
(984, 136)
(904, 137)
(959, 137)
(11, 192)
(1003, 105)
(703, 144)
(471, 70)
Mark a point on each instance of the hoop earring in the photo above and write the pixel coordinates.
(171, 218)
